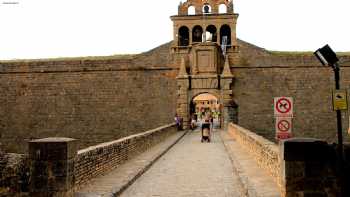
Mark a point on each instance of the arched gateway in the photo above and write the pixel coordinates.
(205, 62)
(209, 73)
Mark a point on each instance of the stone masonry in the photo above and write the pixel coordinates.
(91, 100)
(96, 99)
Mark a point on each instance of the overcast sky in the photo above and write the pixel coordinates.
(65, 28)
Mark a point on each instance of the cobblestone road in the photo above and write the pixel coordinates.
(192, 169)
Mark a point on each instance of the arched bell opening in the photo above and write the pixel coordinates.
(225, 35)
(184, 36)
(206, 9)
(222, 9)
(211, 33)
(197, 34)
(191, 10)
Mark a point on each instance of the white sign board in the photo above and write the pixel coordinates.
(283, 106)
(283, 127)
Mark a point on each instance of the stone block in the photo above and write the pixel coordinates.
(52, 166)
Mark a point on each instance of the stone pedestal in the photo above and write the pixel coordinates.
(52, 167)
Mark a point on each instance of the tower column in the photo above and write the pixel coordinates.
(190, 35)
(182, 104)
(226, 94)
(176, 35)
(182, 109)
(233, 35)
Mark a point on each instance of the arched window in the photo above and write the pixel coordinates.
(206, 9)
(212, 32)
(225, 35)
(197, 33)
(191, 10)
(184, 36)
(222, 9)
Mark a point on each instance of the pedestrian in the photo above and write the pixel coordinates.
(193, 122)
(178, 122)
(206, 131)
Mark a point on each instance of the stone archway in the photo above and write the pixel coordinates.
(204, 102)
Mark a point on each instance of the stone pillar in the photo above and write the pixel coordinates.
(183, 86)
(307, 168)
(226, 93)
(176, 35)
(52, 167)
(182, 104)
(190, 36)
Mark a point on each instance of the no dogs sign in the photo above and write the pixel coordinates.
(283, 106)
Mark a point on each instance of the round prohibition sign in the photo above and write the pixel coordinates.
(283, 125)
(283, 105)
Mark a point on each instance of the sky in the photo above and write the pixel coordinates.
(32, 29)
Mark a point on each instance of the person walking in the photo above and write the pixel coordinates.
(178, 122)
(206, 131)
(193, 122)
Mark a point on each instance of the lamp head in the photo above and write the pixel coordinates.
(326, 56)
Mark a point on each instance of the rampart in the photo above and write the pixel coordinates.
(96, 99)
(261, 75)
(90, 99)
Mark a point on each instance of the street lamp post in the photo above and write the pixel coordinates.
(327, 57)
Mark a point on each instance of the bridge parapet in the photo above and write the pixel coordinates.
(101, 159)
(55, 168)
(299, 166)
(265, 152)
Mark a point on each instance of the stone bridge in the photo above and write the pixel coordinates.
(167, 162)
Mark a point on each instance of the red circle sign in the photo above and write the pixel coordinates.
(283, 126)
(283, 105)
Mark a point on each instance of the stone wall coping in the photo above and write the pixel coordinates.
(53, 139)
(302, 140)
(261, 140)
(106, 144)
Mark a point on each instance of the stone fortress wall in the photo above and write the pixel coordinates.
(262, 75)
(94, 100)
(102, 99)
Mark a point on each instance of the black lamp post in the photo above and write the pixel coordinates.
(327, 57)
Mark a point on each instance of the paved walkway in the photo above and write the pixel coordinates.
(255, 181)
(190, 169)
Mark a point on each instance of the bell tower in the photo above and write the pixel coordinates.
(205, 20)
(204, 47)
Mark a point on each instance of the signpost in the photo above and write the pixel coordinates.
(283, 110)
